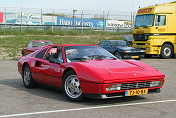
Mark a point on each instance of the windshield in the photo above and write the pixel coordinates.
(82, 53)
(119, 43)
(41, 43)
(144, 20)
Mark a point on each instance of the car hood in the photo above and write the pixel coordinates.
(125, 48)
(119, 70)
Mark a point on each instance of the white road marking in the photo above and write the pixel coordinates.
(86, 108)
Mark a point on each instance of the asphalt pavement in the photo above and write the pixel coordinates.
(18, 102)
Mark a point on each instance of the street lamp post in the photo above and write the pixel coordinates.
(21, 5)
(74, 11)
(82, 17)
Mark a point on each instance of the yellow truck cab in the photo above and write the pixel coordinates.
(155, 30)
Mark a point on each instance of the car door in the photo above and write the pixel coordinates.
(161, 26)
(50, 73)
(37, 66)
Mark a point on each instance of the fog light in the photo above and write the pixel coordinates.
(113, 87)
(156, 83)
(147, 48)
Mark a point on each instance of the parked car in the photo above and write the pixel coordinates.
(88, 71)
(121, 49)
(32, 46)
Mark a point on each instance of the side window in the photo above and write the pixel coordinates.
(29, 44)
(51, 53)
(55, 52)
(160, 20)
(41, 54)
(106, 44)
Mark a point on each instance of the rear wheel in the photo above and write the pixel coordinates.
(27, 78)
(166, 51)
(71, 87)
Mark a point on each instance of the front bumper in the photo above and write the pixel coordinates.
(100, 88)
(132, 55)
(116, 95)
(152, 49)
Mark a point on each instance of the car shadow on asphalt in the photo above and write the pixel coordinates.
(55, 93)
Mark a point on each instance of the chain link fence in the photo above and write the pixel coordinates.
(41, 19)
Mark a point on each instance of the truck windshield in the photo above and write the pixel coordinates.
(144, 20)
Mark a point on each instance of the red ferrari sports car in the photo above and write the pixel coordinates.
(32, 46)
(88, 71)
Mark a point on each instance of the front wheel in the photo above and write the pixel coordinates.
(166, 51)
(71, 87)
(138, 58)
(117, 54)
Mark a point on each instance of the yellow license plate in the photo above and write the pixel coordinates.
(136, 92)
(134, 56)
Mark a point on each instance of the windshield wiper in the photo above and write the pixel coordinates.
(145, 26)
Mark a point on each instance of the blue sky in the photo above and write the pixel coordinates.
(106, 5)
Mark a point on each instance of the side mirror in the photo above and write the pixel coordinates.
(53, 60)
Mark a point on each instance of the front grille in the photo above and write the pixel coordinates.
(140, 37)
(140, 43)
(137, 85)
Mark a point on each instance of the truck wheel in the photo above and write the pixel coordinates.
(166, 51)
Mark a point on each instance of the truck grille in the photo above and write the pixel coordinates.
(140, 37)
(137, 85)
(140, 43)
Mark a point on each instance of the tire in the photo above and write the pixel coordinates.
(148, 55)
(117, 54)
(138, 58)
(71, 87)
(27, 78)
(166, 51)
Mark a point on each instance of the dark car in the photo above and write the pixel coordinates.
(121, 49)
(32, 46)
